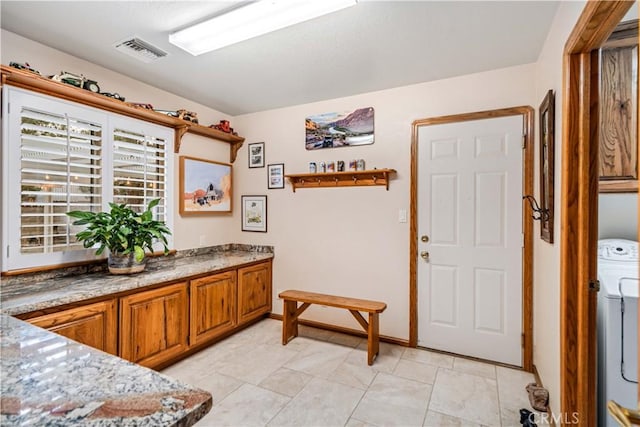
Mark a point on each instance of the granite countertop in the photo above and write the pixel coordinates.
(49, 380)
(24, 296)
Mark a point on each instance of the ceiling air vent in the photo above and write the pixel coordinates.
(140, 49)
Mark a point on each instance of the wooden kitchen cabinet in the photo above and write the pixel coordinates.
(95, 325)
(213, 306)
(154, 324)
(162, 323)
(254, 291)
(619, 110)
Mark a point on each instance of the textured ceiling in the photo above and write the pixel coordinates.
(371, 46)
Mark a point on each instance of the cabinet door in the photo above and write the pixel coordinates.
(94, 325)
(254, 291)
(154, 324)
(213, 306)
(619, 110)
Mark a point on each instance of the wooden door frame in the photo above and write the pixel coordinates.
(527, 114)
(579, 226)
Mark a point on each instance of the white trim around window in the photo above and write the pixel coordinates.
(59, 156)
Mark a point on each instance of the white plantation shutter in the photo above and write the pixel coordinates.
(60, 171)
(141, 168)
(139, 165)
(59, 156)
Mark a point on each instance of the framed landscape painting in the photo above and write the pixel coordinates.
(254, 213)
(345, 129)
(205, 186)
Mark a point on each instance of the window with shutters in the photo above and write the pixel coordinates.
(59, 156)
(60, 170)
(140, 166)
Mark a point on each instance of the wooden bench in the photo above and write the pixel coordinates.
(291, 312)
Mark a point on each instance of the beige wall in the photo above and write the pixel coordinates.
(348, 241)
(546, 278)
(187, 232)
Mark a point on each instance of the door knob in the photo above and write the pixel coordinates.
(424, 238)
(624, 417)
(425, 255)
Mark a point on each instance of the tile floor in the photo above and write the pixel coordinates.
(321, 378)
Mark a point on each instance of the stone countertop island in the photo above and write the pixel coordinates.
(49, 380)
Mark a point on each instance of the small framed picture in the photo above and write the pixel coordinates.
(275, 175)
(256, 155)
(254, 213)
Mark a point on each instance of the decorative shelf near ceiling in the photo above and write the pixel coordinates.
(34, 82)
(188, 127)
(341, 179)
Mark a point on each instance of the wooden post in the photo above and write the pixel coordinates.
(373, 340)
(289, 321)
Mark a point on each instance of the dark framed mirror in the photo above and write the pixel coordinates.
(546, 120)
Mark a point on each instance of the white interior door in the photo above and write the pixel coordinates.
(470, 210)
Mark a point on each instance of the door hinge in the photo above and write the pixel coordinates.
(594, 285)
(7, 251)
(522, 240)
(522, 340)
(524, 141)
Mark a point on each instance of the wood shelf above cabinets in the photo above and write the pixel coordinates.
(36, 83)
(341, 179)
(187, 127)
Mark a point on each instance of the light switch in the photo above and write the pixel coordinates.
(402, 215)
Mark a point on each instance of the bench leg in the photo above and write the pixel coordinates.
(289, 321)
(373, 340)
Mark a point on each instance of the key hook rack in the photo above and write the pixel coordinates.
(539, 214)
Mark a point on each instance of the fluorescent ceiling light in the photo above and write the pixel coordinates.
(250, 21)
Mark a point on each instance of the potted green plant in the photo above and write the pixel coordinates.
(124, 232)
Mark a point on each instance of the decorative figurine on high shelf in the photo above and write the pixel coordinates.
(23, 66)
(77, 80)
(224, 126)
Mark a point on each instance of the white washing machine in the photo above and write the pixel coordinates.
(617, 326)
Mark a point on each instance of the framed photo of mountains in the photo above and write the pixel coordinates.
(339, 129)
